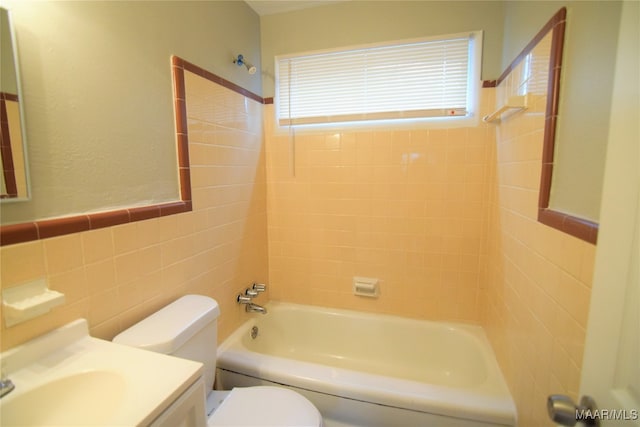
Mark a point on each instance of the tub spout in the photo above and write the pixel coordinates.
(6, 385)
(255, 308)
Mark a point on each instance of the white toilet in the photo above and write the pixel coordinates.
(187, 328)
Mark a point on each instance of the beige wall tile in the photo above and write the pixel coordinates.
(536, 293)
(21, 263)
(396, 205)
(100, 276)
(63, 253)
(97, 245)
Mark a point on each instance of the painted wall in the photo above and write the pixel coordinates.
(7, 64)
(98, 98)
(585, 93)
(360, 22)
(612, 337)
(536, 280)
(116, 276)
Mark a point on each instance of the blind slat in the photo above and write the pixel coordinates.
(419, 79)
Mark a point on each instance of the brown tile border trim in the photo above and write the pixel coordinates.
(17, 233)
(217, 79)
(559, 17)
(581, 228)
(29, 231)
(9, 96)
(42, 229)
(577, 227)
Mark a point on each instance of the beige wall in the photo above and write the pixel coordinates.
(537, 280)
(405, 206)
(360, 22)
(116, 276)
(98, 98)
(585, 93)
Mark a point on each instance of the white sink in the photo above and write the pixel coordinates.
(68, 378)
(64, 401)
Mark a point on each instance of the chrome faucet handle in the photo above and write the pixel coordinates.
(243, 299)
(259, 287)
(251, 293)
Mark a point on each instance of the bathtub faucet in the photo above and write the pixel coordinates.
(6, 386)
(249, 294)
(249, 306)
(255, 308)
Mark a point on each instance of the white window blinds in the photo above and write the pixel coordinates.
(411, 80)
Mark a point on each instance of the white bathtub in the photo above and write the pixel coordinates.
(371, 370)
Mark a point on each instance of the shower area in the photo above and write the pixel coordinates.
(446, 218)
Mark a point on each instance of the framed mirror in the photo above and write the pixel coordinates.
(14, 179)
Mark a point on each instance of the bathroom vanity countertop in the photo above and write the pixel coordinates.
(67, 377)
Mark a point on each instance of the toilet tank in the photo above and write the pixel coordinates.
(185, 328)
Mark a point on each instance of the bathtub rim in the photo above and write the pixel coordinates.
(490, 402)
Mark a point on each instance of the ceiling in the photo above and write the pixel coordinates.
(272, 7)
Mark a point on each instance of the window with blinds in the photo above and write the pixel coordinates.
(405, 80)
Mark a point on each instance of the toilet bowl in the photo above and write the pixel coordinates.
(187, 328)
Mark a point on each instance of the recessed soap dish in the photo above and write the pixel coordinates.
(24, 302)
(366, 287)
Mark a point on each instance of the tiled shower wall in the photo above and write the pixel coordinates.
(445, 218)
(408, 207)
(538, 279)
(116, 276)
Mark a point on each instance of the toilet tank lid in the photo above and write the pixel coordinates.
(170, 327)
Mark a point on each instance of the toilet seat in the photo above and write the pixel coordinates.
(265, 406)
